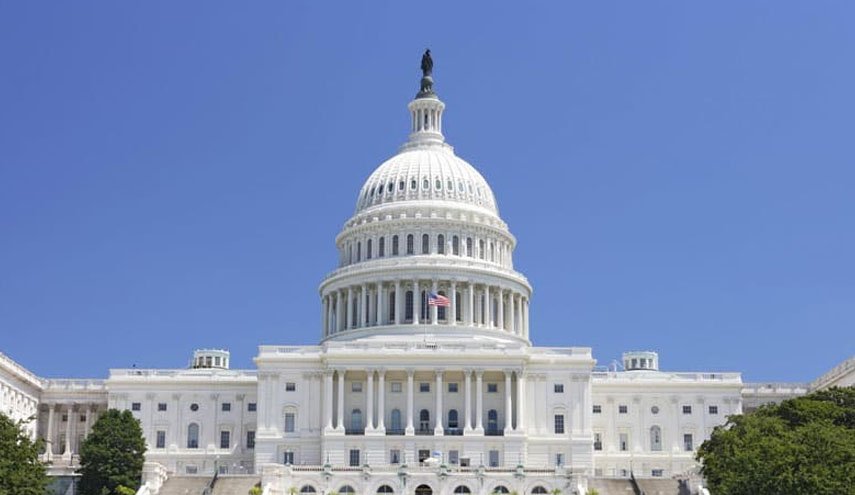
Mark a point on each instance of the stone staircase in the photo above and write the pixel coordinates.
(235, 485)
(185, 485)
(611, 486)
(646, 486)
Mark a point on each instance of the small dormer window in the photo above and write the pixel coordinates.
(438, 185)
(460, 187)
(425, 184)
(401, 186)
(450, 186)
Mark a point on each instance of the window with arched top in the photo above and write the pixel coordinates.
(394, 245)
(369, 247)
(425, 184)
(440, 244)
(452, 419)
(469, 247)
(396, 421)
(425, 308)
(441, 311)
(655, 439)
(356, 420)
(425, 244)
(424, 420)
(410, 244)
(455, 245)
(538, 490)
(458, 308)
(193, 436)
(413, 184)
(392, 307)
(492, 421)
(438, 185)
(381, 247)
(346, 489)
(481, 252)
(389, 187)
(359, 251)
(495, 313)
(385, 489)
(462, 489)
(500, 489)
(354, 317)
(308, 489)
(408, 306)
(492, 252)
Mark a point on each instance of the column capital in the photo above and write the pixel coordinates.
(479, 373)
(410, 372)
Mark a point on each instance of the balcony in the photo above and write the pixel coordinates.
(494, 432)
(426, 432)
(354, 431)
(390, 431)
(454, 432)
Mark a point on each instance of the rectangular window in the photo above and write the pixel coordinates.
(225, 438)
(687, 442)
(289, 422)
(598, 441)
(687, 409)
(288, 457)
(250, 439)
(226, 406)
(65, 416)
(558, 388)
(624, 442)
(494, 458)
(250, 406)
(354, 457)
(622, 409)
(161, 406)
(423, 455)
(191, 469)
(290, 386)
(356, 386)
(424, 387)
(559, 424)
(394, 456)
(453, 457)
(161, 440)
(598, 409)
(396, 387)
(657, 473)
(452, 388)
(135, 406)
(713, 409)
(81, 418)
(559, 459)
(492, 388)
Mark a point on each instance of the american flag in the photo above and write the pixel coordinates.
(438, 300)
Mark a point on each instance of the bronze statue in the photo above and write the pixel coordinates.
(427, 64)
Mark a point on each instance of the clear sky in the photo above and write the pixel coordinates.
(679, 175)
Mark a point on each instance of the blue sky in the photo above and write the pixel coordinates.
(679, 175)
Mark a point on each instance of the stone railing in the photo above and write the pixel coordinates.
(833, 374)
(19, 371)
(74, 385)
(666, 376)
(196, 373)
(153, 476)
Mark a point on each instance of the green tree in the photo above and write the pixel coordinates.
(21, 472)
(804, 445)
(112, 456)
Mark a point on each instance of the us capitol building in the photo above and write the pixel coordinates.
(424, 381)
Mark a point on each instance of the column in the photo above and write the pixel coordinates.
(467, 411)
(525, 317)
(324, 316)
(340, 314)
(479, 402)
(328, 399)
(417, 302)
(369, 399)
(521, 401)
(381, 400)
(398, 302)
(410, 430)
(470, 313)
(488, 310)
(500, 317)
(349, 309)
(363, 306)
(340, 425)
(90, 410)
(517, 315)
(509, 411)
(452, 318)
(434, 310)
(380, 317)
(49, 439)
(68, 431)
(438, 430)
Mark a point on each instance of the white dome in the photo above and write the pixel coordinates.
(426, 173)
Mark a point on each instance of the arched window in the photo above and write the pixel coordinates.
(492, 421)
(438, 185)
(481, 252)
(441, 311)
(452, 419)
(413, 184)
(381, 247)
(349, 253)
(492, 252)
(346, 489)
(440, 244)
(462, 489)
(385, 489)
(455, 245)
(425, 183)
(500, 489)
(410, 248)
(424, 490)
(458, 309)
(394, 245)
(396, 421)
(354, 317)
(425, 244)
(425, 309)
(389, 187)
(358, 251)
(408, 306)
(368, 248)
(392, 307)
(495, 313)
(655, 439)
(424, 420)
(538, 490)
(401, 185)
(193, 436)
(469, 247)
(356, 420)
(308, 489)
